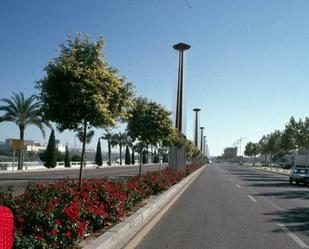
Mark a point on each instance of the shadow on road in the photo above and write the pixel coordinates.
(296, 219)
(298, 194)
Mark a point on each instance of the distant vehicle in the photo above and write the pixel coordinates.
(299, 175)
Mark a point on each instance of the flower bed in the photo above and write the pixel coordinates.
(58, 216)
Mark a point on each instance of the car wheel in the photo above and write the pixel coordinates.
(297, 182)
(291, 181)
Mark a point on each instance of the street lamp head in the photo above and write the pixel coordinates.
(181, 46)
(196, 109)
(202, 128)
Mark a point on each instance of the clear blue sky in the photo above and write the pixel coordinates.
(248, 68)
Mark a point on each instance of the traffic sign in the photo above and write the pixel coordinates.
(17, 144)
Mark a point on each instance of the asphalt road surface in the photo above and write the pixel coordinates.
(20, 180)
(234, 207)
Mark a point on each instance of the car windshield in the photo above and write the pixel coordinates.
(300, 171)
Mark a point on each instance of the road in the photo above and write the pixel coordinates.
(20, 180)
(234, 207)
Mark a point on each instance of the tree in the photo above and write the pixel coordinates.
(149, 123)
(120, 140)
(108, 137)
(252, 149)
(81, 90)
(144, 157)
(127, 156)
(67, 159)
(156, 157)
(133, 157)
(23, 112)
(51, 152)
(263, 144)
(98, 154)
(273, 143)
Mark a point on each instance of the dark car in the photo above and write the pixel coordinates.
(299, 175)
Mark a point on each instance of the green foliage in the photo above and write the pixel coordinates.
(76, 158)
(98, 155)
(156, 158)
(165, 158)
(144, 157)
(89, 135)
(67, 159)
(81, 90)
(51, 152)
(120, 139)
(81, 80)
(109, 137)
(23, 112)
(149, 122)
(127, 156)
(133, 157)
(251, 149)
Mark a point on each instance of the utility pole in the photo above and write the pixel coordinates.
(181, 47)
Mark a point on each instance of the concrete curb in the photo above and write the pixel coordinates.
(275, 172)
(118, 236)
(71, 168)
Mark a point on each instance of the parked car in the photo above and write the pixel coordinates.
(299, 175)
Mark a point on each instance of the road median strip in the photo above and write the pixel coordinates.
(119, 235)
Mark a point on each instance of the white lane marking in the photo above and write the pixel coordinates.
(301, 243)
(231, 179)
(238, 185)
(251, 198)
(272, 203)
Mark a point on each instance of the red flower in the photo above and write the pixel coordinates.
(39, 237)
(72, 211)
(21, 220)
(53, 232)
(68, 234)
(58, 222)
(81, 229)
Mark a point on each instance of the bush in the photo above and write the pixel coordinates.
(127, 156)
(76, 158)
(51, 152)
(67, 159)
(98, 155)
(58, 216)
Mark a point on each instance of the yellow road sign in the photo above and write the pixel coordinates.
(17, 144)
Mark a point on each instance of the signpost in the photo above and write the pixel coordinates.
(17, 144)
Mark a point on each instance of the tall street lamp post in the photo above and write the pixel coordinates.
(181, 47)
(201, 146)
(196, 127)
(204, 145)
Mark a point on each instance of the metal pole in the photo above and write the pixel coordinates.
(196, 126)
(181, 47)
(201, 145)
(205, 145)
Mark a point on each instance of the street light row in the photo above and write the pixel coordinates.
(181, 47)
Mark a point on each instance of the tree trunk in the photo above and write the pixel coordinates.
(120, 153)
(82, 157)
(21, 151)
(109, 153)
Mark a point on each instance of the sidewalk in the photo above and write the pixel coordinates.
(272, 169)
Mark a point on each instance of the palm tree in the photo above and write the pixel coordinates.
(120, 139)
(23, 112)
(109, 137)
